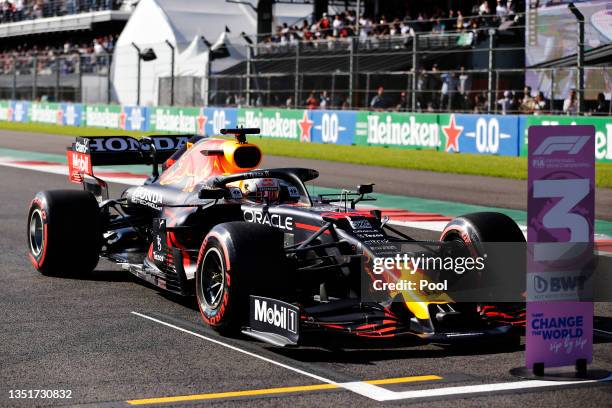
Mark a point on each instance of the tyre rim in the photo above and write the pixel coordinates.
(213, 278)
(37, 236)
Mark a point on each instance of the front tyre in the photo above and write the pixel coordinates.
(64, 232)
(236, 259)
(486, 227)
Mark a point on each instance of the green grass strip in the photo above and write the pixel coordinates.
(442, 162)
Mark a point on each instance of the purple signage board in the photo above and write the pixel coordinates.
(560, 209)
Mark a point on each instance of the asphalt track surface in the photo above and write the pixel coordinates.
(81, 334)
(469, 189)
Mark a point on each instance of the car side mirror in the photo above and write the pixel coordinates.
(365, 188)
(211, 194)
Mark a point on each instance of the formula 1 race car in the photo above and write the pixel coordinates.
(262, 256)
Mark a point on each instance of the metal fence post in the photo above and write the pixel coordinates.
(248, 74)
(79, 68)
(296, 83)
(351, 70)
(333, 89)
(579, 55)
(552, 90)
(57, 79)
(108, 78)
(35, 79)
(14, 90)
(415, 40)
(367, 90)
(496, 89)
(490, 79)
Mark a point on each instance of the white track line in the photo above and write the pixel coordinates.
(377, 393)
(489, 388)
(367, 390)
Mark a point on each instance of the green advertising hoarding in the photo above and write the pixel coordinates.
(5, 110)
(278, 123)
(106, 116)
(406, 130)
(603, 131)
(177, 120)
(45, 113)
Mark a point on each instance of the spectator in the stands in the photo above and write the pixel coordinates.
(422, 96)
(448, 93)
(483, 9)
(403, 104)
(379, 101)
(324, 100)
(539, 103)
(435, 86)
(506, 102)
(570, 105)
(512, 15)
(438, 27)
(289, 102)
(602, 107)
(528, 103)
(459, 25)
(324, 25)
(337, 25)
(464, 87)
(501, 11)
(311, 101)
(479, 103)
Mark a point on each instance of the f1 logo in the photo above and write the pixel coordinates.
(569, 144)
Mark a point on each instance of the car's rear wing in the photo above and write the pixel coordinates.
(87, 152)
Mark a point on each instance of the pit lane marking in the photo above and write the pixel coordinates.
(273, 391)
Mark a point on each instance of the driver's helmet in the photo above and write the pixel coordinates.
(264, 190)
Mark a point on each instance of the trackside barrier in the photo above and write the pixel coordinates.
(503, 135)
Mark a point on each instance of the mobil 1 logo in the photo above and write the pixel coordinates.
(275, 317)
(160, 248)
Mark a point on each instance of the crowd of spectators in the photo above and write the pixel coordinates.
(91, 56)
(347, 24)
(19, 10)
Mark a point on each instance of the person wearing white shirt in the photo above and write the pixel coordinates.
(570, 105)
(501, 11)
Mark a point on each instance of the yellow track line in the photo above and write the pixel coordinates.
(271, 391)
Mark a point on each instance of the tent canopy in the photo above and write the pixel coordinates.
(183, 23)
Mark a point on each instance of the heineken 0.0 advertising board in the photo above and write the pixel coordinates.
(406, 130)
(178, 120)
(105, 116)
(279, 123)
(479, 134)
(46, 113)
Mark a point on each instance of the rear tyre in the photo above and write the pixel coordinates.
(236, 260)
(64, 232)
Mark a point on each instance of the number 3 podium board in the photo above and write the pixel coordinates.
(561, 209)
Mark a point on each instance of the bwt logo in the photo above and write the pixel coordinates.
(569, 144)
(559, 284)
(277, 316)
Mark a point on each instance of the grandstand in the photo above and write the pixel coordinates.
(435, 56)
(59, 49)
